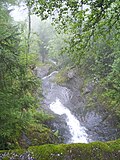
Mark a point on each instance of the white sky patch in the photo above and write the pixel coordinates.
(19, 13)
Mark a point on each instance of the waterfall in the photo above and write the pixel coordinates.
(56, 97)
(65, 102)
(77, 131)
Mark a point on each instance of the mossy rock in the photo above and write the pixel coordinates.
(62, 76)
(91, 151)
(80, 151)
(37, 136)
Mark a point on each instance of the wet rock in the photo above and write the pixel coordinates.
(89, 88)
(91, 118)
(43, 71)
(59, 124)
(71, 74)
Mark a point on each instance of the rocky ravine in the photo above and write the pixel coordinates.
(96, 120)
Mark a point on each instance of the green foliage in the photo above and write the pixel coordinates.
(18, 85)
(56, 49)
(113, 82)
(42, 117)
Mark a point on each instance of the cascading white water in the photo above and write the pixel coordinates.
(50, 75)
(77, 131)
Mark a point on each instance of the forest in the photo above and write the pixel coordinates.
(75, 38)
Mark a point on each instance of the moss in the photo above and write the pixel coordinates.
(62, 77)
(114, 144)
(37, 135)
(91, 151)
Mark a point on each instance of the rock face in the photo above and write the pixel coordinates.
(96, 119)
(43, 70)
(59, 124)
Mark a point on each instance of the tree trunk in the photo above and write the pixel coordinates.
(29, 27)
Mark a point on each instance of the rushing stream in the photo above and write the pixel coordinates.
(77, 131)
(62, 102)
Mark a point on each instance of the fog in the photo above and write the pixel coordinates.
(19, 13)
